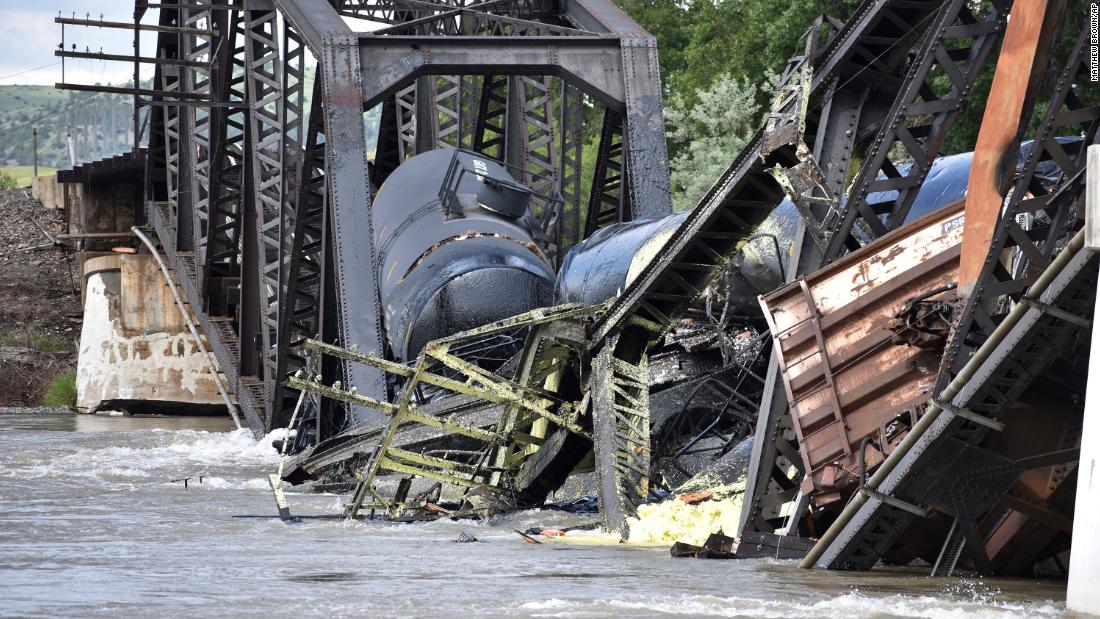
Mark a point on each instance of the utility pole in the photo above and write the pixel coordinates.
(72, 149)
(34, 151)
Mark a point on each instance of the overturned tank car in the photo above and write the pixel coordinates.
(456, 248)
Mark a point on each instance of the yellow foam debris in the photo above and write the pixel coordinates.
(673, 520)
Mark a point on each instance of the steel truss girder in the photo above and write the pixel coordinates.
(490, 128)
(843, 118)
(528, 410)
(1000, 380)
(176, 138)
(608, 203)
(267, 115)
(918, 121)
(221, 255)
(1027, 349)
(223, 179)
(621, 73)
(301, 317)
(398, 11)
(200, 49)
(569, 178)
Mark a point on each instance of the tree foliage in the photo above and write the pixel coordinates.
(719, 65)
(704, 137)
(718, 61)
(700, 40)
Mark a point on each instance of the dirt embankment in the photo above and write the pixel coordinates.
(39, 300)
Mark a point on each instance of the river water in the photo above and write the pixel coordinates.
(92, 526)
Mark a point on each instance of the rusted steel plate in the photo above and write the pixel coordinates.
(835, 334)
(1020, 66)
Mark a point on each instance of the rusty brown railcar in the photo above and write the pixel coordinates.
(859, 344)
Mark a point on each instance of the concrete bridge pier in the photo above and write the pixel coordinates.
(1083, 592)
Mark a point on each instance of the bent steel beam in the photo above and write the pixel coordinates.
(1007, 111)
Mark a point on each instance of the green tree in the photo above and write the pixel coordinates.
(698, 40)
(706, 135)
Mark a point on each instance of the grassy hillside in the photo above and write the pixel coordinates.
(99, 123)
(14, 97)
(23, 174)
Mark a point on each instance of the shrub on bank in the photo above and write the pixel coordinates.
(61, 391)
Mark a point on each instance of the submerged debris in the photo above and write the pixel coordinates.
(748, 546)
(466, 537)
(528, 538)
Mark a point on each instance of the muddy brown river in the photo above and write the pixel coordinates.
(91, 525)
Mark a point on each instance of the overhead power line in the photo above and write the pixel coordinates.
(45, 66)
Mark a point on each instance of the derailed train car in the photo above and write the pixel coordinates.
(457, 250)
(706, 380)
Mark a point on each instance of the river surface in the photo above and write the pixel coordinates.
(92, 526)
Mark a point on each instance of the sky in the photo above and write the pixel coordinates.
(28, 38)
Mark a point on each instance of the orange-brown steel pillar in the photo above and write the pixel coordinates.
(1020, 66)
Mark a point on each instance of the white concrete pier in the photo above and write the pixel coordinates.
(1083, 593)
(135, 350)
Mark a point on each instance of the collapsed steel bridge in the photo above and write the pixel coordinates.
(258, 187)
(260, 195)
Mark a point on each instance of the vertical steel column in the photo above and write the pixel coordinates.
(646, 153)
(387, 152)
(267, 116)
(352, 242)
(608, 202)
(469, 88)
(515, 134)
(571, 126)
(199, 49)
(425, 120)
(491, 117)
(222, 252)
